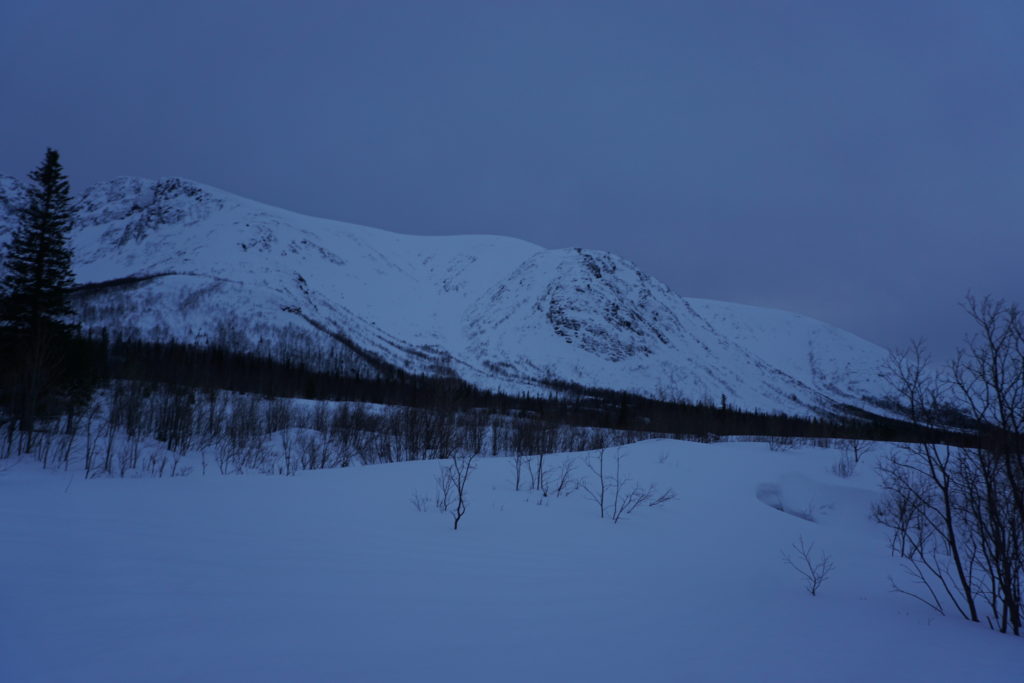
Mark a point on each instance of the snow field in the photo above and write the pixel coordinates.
(335, 576)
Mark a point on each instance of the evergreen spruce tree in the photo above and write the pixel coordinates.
(36, 331)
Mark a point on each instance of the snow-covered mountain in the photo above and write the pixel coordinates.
(173, 259)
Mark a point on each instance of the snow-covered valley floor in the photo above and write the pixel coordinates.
(335, 576)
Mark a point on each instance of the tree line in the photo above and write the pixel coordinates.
(212, 367)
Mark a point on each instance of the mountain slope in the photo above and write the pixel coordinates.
(192, 263)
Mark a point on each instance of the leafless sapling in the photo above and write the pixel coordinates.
(856, 449)
(595, 488)
(814, 570)
(452, 482)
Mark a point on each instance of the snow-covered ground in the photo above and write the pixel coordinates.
(335, 576)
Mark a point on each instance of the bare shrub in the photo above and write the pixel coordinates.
(313, 451)
(277, 415)
(781, 443)
(666, 496)
(956, 510)
(320, 451)
(563, 483)
(537, 473)
(452, 481)
(420, 502)
(814, 570)
(287, 449)
(91, 437)
(445, 483)
(244, 427)
(855, 449)
(845, 466)
(615, 494)
(68, 435)
(596, 488)
(625, 503)
(518, 461)
(806, 513)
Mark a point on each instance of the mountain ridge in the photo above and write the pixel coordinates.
(208, 266)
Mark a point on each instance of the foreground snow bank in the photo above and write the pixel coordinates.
(335, 576)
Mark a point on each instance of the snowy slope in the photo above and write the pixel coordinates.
(334, 576)
(499, 312)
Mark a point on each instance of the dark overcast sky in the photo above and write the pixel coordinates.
(859, 162)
